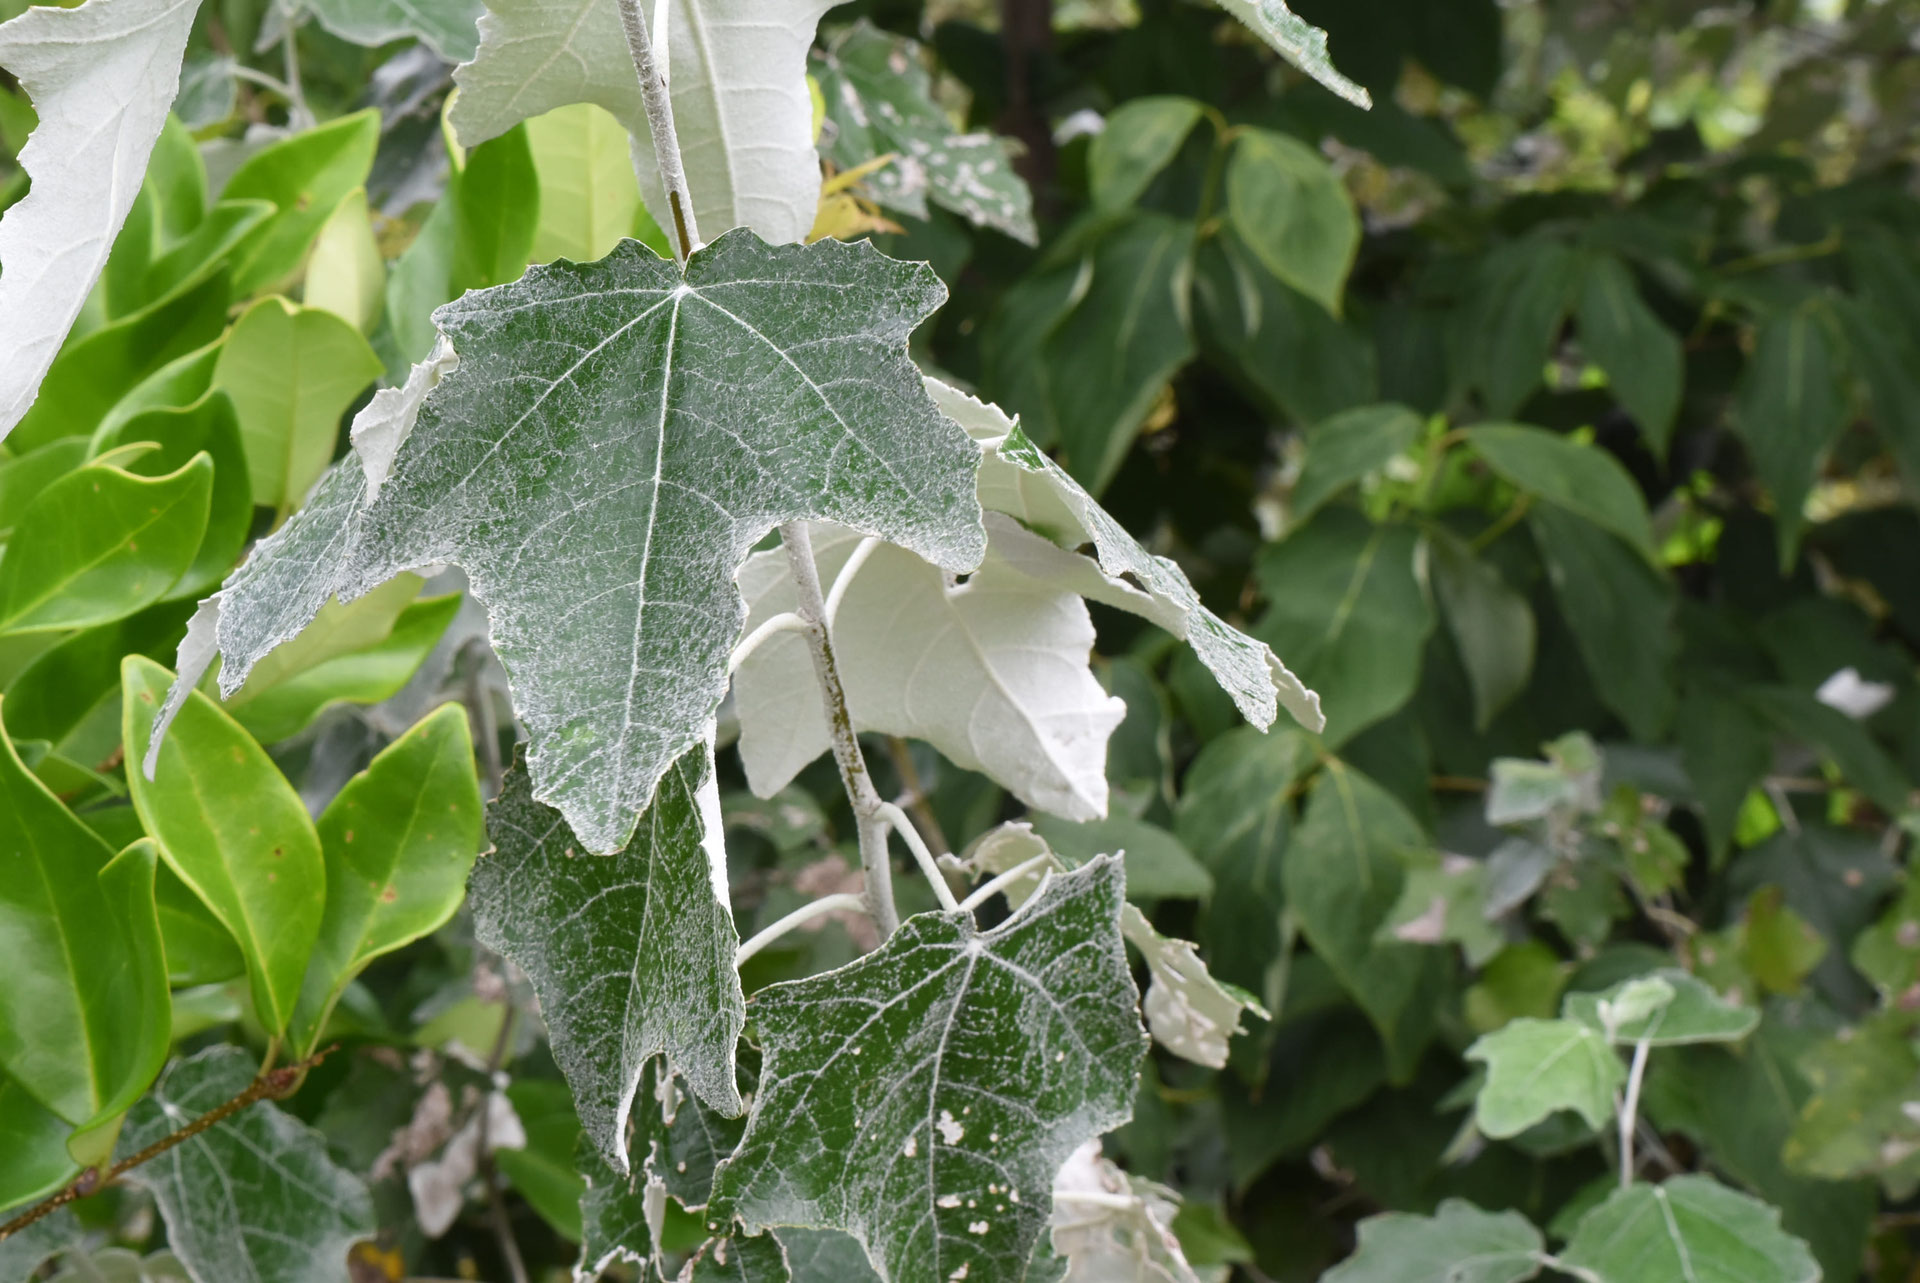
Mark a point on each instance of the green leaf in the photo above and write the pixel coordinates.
(346, 274)
(633, 951)
(1140, 139)
(1691, 1013)
(398, 841)
(739, 1260)
(1346, 448)
(106, 543)
(1641, 356)
(1290, 208)
(234, 830)
(1881, 353)
(1621, 614)
(615, 1224)
(1536, 1068)
(291, 372)
(542, 1170)
(305, 177)
(1583, 479)
(1457, 1244)
(207, 424)
(826, 1256)
(1444, 901)
(24, 476)
(678, 1139)
(445, 26)
(35, 1142)
(1851, 747)
(1342, 875)
(253, 1197)
(837, 428)
(1888, 952)
(1690, 1230)
(421, 280)
(1525, 292)
(496, 212)
(1788, 410)
(1726, 747)
(1159, 867)
(204, 251)
(70, 695)
(1492, 625)
(1083, 349)
(1298, 41)
(880, 100)
(1345, 609)
(923, 1097)
(199, 950)
(589, 198)
(83, 1021)
(1855, 1122)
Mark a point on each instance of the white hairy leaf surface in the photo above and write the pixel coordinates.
(631, 954)
(737, 74)
(992, 672)
(1018, 479)
(1188, 1012)
(1299, 42)
(253, 1198)
(101, 77)
(1111, 1229)
(923, 1097)
(612, 443)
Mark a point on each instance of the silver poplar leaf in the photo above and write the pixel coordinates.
(737, 73)
(879, 101)
(923, 1097)
(631, 954)
(1536, 1068)
(678, 1139)
(993, 672)
(1692, 1229)
(1692, 1012)
(1299, 42)
(253, 1199)
(1018, 479)
(613, 442)
(1457, 1244)
(620, 1218)
(1110, 1229)
(101, 77)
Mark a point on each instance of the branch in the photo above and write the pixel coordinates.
(897, 819)
(275, 1085)
(806, 913)
(854, 776)
(666, 141)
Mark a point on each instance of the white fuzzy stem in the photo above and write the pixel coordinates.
(784, 622)
(1630, 1109)
(666, 139)
(922, 856)
(842, 902)
(844, 580)
(986, 890)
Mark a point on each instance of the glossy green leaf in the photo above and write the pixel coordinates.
(70, 695)
(398, 841)
(1788, 410)
(1290, 208)
(35, 1142)
(1139, 139)
(106, 543)
(1691, 1012)
(306, 177)
(837, 428)
(496, 212)
(206, 248)
(346, 274)
(949, 1067)
(589, 198)
(83, 1018)
(1346, 448)
(633, 950)
(26, 475)
(1342, 873)
(235, 832)
(207, 424)
(1583, 479)
(291, 372)
(1457, 1244)
(199, 950)
(1345, 609)
(1536, 1068)
(254, 1197)
(1641, 356)
(1690, 1230)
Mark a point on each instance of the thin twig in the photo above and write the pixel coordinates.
(928, 865)
(842, 901)
(273, 1085)
(784, 622)
(1630, 1109)
(854, 776)
(666, 140)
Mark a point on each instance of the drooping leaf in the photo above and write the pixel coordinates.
(589, 197)
(254, 1197)
(880, 101)
(923, 1097)
(630, 954)
(1690, 1230)
(1342, 873)
(740, 100)
(1022, 482)
(398, 841)
(105, 544)
(1457, 1244)
(1345, 609)
(1188, 1012)
(305, 177)
(101, 77)
(1140, 139)
(1491, 623)
(1583, 479)
(593, 404)
(291, 372)
(83, 1029)
(1292, 211)
(234, 830)
(1345, 448)
(1692, 1013)
(1298, 41)
(445, 26)
(1536, 1068)
(992, 672)
(1788, 410)
(1641, 356)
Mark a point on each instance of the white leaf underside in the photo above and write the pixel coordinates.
(737, 74)
(611, 445)
(992, 672)
(101, 78)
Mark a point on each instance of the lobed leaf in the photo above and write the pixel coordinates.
(1692, 1229)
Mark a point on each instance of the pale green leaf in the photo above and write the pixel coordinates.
(1856, 1122)
(305, 177)
(1188, 1012)
(923, 1097)
(445, 26)
(1690, 1230)
(630, 954)
(1159, 866)
(101, 76)
(1139, 139)
(1298, 41)
(1293, 212)
(1457, 1244)
(252, 1198)
(1692, 1012)
(346, 274)
(589, 197)
(1536, 1068)
(1110, 1228)
(1444, 900)
(614, 441)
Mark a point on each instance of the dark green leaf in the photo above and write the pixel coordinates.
(1526, 291)
(495, 213)
(1458, 1244)
(1139, 140)
(1492, 625)
(1293, 212)
(446, 26)
(1347, 447)
(542, 1170)
(1690, 1230)
(1789, 408)
(1159, 867)
(1726, 747)
(1641, 356)
(1583, 479)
